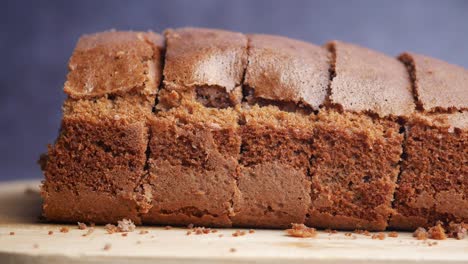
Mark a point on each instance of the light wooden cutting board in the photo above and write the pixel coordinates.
(31, 243)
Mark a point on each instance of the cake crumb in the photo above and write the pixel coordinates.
(64, 229)
(251, 231)
(393, 234)
(110, 228)
(214, 231)
(362, 232)
(125, 225)
(12, 233)
(437, 232)
(379, 236)
(190, 226)
(124, 234)
(189, 233)
(50, 232)
(107, 247)
(420, 233)
(232, 250)
(348, 234)
(143, 232)
(238, 233)
(457, 230)
(89, 232)
(138, 242)
(35, 246)
(301, 230)
(331, 231)
(220, 235)
(168, 227)
(82, 226)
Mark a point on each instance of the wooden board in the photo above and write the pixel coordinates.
(20, 207)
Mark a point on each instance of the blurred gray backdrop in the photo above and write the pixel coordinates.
(37, 38)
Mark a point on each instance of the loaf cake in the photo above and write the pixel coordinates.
(217, 128)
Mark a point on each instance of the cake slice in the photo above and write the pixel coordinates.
(93, 170)
(434, 184)
(356, 154)
(195, 140)
(284, 82)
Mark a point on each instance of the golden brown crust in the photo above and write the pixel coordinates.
(115, 62)
(204, 57)
(284, 69)
(367, 80)
(438, 84)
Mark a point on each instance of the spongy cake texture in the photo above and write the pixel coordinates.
(216, 128)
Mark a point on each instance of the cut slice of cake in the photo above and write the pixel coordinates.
(95, 166)
(284, 82)
(356, 154)
(195, 140)
(434, 180)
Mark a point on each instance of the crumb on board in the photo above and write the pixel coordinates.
(64, 229)
(168, 227)
(110, 228)
(124, 234)
(429, 243)
(143, 232)
(138, 242)
(89, 232)
(348, 234)
(220, 235)
(437, 232)
(362, 232)
(12, 233)
(35, 246)
(201, 230)
(232, 250)
(251, 231)
(420, 233)
(331, 231)
(50, 232)
(301, 230)
(82, 226)
(126, 225)
(393, 234)
(457, 230)
(238, 233)
(379, 236)
(107, 247)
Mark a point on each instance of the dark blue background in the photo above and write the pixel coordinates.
(37, 38)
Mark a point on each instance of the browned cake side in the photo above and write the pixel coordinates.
(354, 168)
(195, 141)
(356, 156)
(285, 80)
(96, 163)
(433, 183)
